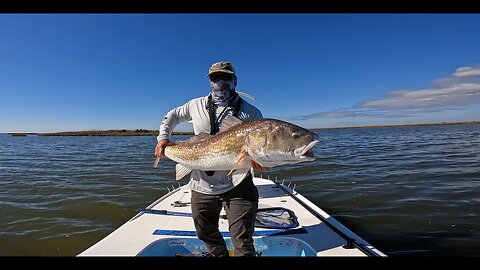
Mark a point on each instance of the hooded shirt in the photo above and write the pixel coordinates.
(196, 111)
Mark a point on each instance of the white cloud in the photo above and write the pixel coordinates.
(441, 98)
(460, 89)
(467, 71)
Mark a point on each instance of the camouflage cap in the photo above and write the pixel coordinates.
(221, 67)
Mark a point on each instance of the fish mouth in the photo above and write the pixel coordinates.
(305, 152)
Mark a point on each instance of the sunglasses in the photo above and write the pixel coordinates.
(216, 78)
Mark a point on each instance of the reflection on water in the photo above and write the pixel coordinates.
(406, 190)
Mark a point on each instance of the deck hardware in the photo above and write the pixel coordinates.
(349, 245)
(179, 204)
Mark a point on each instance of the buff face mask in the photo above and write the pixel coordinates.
(222, 91)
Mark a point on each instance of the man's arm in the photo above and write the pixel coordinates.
(169, 122)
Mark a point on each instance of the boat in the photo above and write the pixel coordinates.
(287, 224)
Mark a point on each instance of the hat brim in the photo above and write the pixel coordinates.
(220, 71)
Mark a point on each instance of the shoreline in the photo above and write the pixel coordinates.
(405, 125)
(144, 132)
(99, 133)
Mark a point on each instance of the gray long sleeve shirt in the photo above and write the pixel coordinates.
(196, 110)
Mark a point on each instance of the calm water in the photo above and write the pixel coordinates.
(410, 191)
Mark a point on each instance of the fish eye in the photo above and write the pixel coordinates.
(295, 135)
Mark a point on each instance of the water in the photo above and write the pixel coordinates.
(409, 191)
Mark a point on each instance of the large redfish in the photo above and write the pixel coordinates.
(268, 142)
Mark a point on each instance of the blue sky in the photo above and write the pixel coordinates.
(66, 72)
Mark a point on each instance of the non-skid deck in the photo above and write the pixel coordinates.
(165, 228)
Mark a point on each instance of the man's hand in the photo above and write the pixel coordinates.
(160, 151)
(160, 148)
(259, 168)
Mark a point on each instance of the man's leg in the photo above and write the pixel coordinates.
(206, 212)
(241, 204)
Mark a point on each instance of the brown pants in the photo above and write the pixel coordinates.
(241, 204)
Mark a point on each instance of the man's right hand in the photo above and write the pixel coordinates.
(160, 148)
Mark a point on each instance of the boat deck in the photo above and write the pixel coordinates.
(165, 228)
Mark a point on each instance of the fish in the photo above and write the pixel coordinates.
(241, 143)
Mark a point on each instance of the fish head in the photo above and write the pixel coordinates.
(280, 142)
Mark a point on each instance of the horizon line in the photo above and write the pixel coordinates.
(404, 125)
(316, 128)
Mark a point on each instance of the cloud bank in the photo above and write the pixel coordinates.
(453, 92)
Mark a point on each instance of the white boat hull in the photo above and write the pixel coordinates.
(165, 228)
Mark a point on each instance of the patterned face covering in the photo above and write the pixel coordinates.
(222, 91)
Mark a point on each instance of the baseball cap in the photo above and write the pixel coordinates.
(221, 67)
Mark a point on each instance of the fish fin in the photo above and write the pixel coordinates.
(155, 164)
(239, 175)
(229, 122)
(236, 163)
(181, 171)
(258, 167)
(197, 138)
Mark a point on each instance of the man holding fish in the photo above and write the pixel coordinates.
(231, 137)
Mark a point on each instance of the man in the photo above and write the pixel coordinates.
(213, 189)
